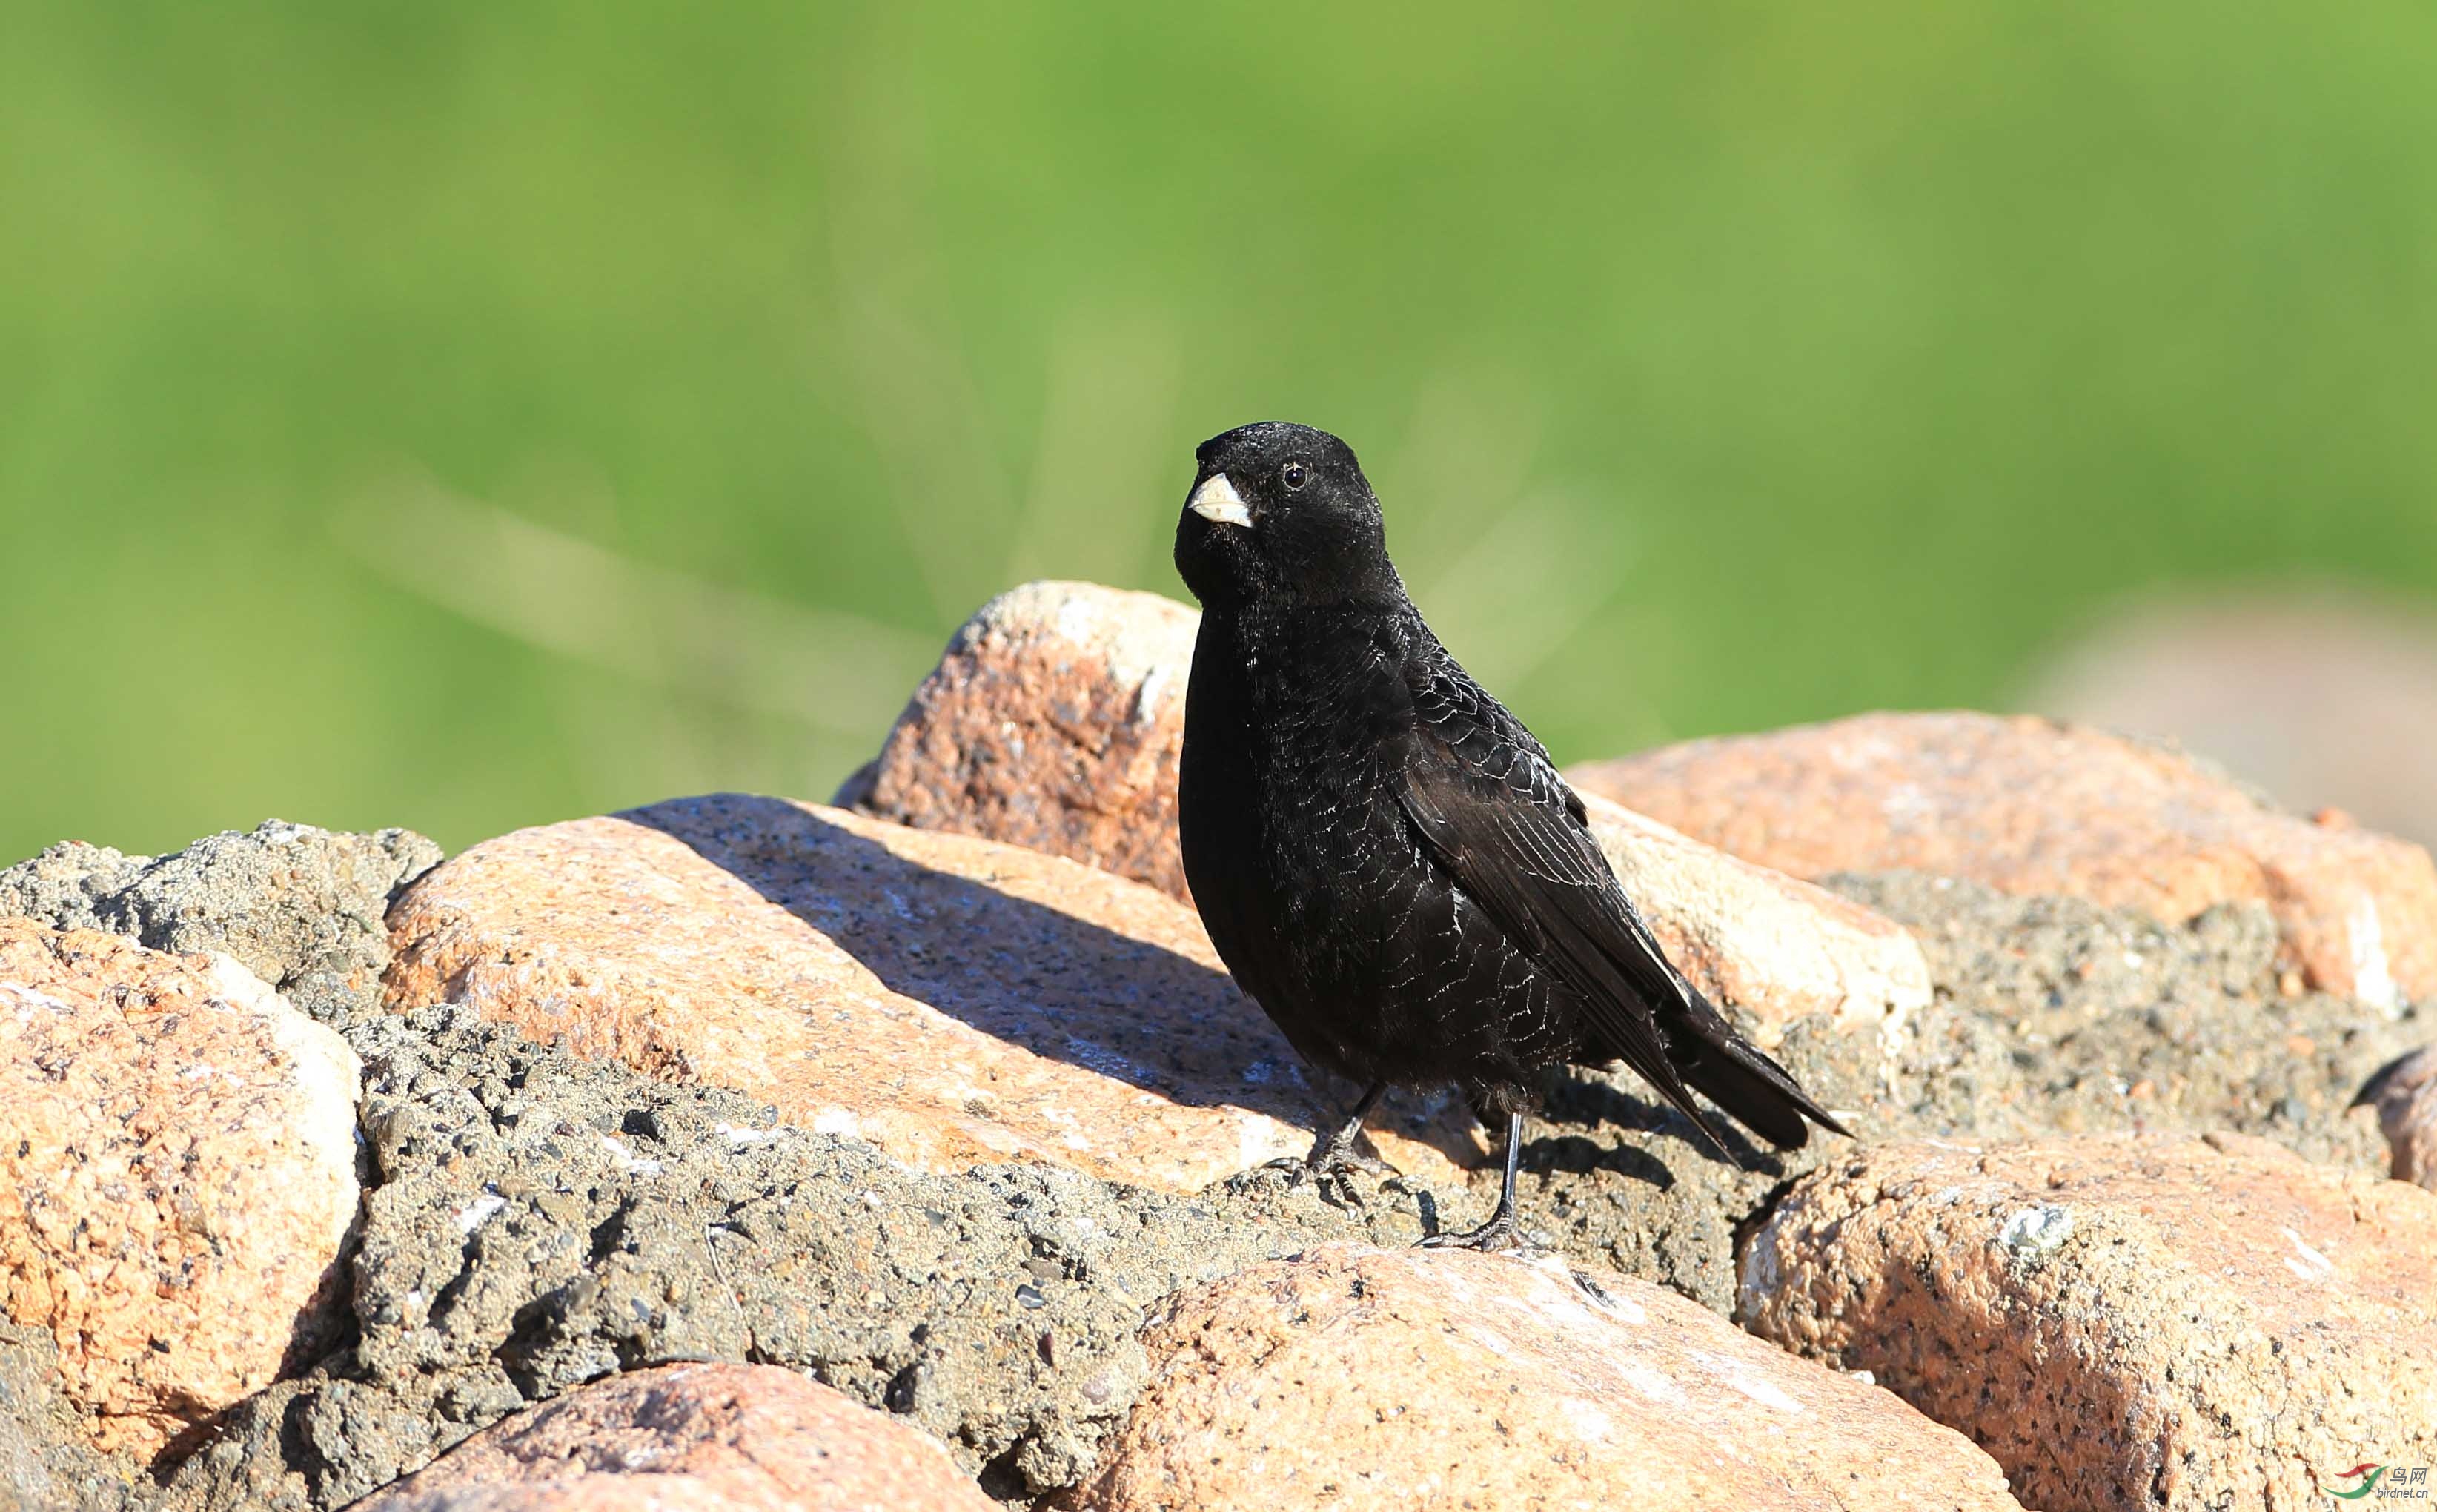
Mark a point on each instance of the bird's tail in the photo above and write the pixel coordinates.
(1740, 1077)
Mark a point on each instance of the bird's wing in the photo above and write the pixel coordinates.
(1491, 809)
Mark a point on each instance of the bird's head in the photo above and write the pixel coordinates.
(1281, 514)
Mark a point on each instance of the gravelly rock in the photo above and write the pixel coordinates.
(2108, 1019)
(541, 1220)
(45, 1463)
(299, 908)
(2051, 1015)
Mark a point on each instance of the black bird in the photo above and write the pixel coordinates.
(1386, 859)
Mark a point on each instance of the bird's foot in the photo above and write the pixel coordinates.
(1334, 1155)
(1339, 1153)
(1335, 1160)
(1501, 1233)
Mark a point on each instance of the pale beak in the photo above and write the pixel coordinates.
(1218, 502)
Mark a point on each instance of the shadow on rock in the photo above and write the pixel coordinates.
(1055, 984)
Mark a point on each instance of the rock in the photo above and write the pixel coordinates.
(2033, 807)
(177, 1175)
(2405, 1095)
(1446, 1380)
(2322, 695)
(1053, 722)
(536, 1221)
(46, 1463)
(949, 999)
(1829, 981)
(2051, 1014)
(733, 1437)
(2124, 1321)
(1759, 941)
(302, 908)
(2058, 1016)
(71, 886)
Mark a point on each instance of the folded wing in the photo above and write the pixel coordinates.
(1490, 808)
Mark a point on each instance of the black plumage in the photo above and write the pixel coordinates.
(1386, 859)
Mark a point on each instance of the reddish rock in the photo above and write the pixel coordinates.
(177, 1175)
(2030, 806)
(1053, 721)
(2322, 695)
(1441, 1378)
(948, 999)
(2125, 1321)
(1779, 948)
(692, 1439)
(2405, 1095)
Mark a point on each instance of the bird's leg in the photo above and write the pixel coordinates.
(1500, 1230)
(1334, 1154)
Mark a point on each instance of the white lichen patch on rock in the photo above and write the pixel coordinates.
(2032, 1233)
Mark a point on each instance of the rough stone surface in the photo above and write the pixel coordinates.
(538, 1220)
(2125, 1321)
(508, 1248)
(46, 1463)
(2034, 807)
(177, 1175)
(299, 908)
(2062, 1016)
(1779, 949)
(1053, 721)
(946, 999)
(2051, 1014)
(2405, 1095)
(1358, 1378)
(741, 1438)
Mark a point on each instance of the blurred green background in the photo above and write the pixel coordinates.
(465, 416)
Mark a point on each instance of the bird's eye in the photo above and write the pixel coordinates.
(1294, 474)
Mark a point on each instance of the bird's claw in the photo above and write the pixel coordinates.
(1501, 1233)
(1339, 1153)
(1333, 1180)
(1352, 1158)
(1297, 1169)
(1335, 1160)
